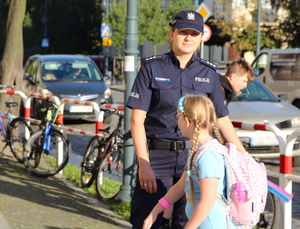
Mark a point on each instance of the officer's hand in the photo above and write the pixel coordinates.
(147, 178)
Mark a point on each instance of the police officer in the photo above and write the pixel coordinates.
(160, 148)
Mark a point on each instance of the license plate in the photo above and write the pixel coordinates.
(81, 109)
(264, 141)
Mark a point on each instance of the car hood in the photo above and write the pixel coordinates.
(262, 112)
(74, 88)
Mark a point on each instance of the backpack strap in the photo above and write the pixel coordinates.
(216, 147)
(222, 200)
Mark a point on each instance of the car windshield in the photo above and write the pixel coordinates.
(70, 71)
(255, 91)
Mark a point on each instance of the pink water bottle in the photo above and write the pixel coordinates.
(240, 192)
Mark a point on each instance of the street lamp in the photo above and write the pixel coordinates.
(258, 27)
(105, 9)
(131, 52)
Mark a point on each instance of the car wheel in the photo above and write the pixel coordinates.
(296, 103)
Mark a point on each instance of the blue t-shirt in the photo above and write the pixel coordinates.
(209, 164)
(160, 84)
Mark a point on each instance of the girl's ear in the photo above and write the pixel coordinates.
(188, 121)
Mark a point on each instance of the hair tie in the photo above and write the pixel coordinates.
(180, 104)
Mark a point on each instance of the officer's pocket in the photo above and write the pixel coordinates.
(164, 92)
(202, 88)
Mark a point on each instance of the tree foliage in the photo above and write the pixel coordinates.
(289, 28)
(72, 26)
(242, 34)
(117, 20)
(153, 20)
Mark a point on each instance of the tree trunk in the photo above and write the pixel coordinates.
(11, 71)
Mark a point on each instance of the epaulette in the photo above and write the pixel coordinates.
(151, 58)
(207, 63)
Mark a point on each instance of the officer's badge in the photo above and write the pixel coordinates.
(191, 16)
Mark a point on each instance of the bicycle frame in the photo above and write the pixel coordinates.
(50, 118)
(3, 129)
(103, 154)
(5, 126)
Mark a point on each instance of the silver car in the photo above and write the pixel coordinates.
(66, 76)
(257, 104)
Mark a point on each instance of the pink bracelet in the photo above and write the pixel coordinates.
(164, 203)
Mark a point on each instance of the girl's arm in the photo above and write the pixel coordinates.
(174, 194)
(208, 192)
(229, 133)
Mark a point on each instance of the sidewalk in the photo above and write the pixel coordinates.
(118, 87)
(31, 202)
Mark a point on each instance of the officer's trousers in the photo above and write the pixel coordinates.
(168, 167)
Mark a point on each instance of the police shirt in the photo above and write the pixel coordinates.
(160, 83)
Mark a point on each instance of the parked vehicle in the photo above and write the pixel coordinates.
(66, 76)
(279, 69)
(257, 104)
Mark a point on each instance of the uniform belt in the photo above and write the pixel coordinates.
(154, 144)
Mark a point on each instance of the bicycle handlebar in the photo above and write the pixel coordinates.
(112, 111)
(6, 87)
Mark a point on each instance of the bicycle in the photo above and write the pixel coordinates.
(47, 151)
(103, 160)
(15, 131)
(270, 218)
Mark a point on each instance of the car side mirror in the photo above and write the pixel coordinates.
(29, 77)
(284, 97)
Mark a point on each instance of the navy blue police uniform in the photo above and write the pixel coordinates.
(159, 85)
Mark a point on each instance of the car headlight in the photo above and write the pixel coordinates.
(106, 94)
(295, 122)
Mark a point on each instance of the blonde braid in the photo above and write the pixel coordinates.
(218, 134)
(198, 125)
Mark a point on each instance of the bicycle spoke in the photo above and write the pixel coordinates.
(46, 162)
(89, 166)
(19, 134)
(271, 216)
(110, 175)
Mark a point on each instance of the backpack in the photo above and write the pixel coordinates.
(240, 167)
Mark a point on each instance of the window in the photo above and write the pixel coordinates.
(260, 64)
(285, 66)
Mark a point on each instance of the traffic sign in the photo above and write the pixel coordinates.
(204, 11)
(45, 42)
(106, 41)
(206, 33)
(106, 30)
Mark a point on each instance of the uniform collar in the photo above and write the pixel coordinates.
(176, 62)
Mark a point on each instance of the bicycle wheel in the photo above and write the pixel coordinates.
(110, 174)
(89, 165)
(270, 218)
(19, 133)
(41, 162)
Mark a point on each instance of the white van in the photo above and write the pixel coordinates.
(279, 69)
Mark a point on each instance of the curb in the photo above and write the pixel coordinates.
(3, 223)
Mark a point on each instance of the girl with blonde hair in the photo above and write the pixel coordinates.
(197, 120)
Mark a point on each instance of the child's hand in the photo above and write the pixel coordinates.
(149, 221)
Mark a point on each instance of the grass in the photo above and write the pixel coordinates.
(72, 173)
